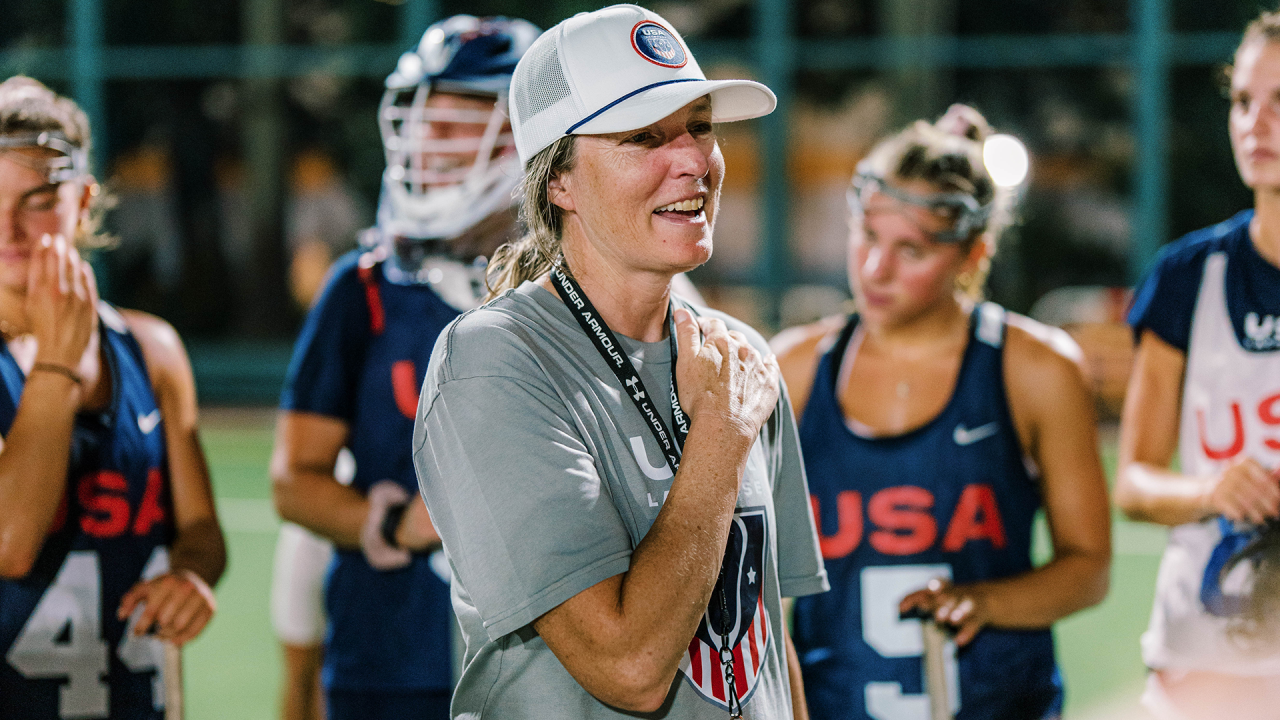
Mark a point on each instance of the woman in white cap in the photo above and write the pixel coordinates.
(615, 476)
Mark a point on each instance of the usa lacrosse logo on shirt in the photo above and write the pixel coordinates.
(748, 623)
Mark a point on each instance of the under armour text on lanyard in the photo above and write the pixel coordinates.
(672, 445)
(607, 344)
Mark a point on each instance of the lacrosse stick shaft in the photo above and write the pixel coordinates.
(935, 671)
(173, 699)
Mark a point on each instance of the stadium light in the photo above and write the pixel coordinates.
(1006, 159)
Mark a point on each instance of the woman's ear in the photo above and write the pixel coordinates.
(90, 191)
(559, 194)
(982, 249)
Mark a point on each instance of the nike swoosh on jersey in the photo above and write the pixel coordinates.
(963, 436)
(148, 422)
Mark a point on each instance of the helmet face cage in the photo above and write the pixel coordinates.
(70, 163)
(433, 147)
(448, 168)
(966, 216)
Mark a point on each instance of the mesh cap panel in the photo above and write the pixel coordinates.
(545, 85)
(542, 101)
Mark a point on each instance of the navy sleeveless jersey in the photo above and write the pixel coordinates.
(65, 653)
(361, 358)
(952, 498)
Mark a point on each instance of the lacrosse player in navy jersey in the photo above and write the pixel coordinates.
(1206, 386)
(933, 428)
(109, 541)
(353, 383)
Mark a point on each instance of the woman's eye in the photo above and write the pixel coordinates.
(912, 252)
(41, 203)
(1240, 101)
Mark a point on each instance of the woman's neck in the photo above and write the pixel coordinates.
(632, 302)
(1264, 231)
(940, 325)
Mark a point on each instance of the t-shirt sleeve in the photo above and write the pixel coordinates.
(800, 567)
(525, 517)
(1166, 299)
(329, 353)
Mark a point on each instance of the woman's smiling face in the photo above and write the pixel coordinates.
(645, 198)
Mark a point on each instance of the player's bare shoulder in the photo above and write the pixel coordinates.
(166, 357)
(1040, 342)
(799, 349)
(1041, 359)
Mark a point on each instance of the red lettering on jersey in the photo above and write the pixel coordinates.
(976, 517)
(1267, 413)
(902, 513)
(1237, 442)
(404, 384)
(849, 529)
(102, 494)
(150, 512)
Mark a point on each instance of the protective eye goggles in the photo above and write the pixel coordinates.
(71, 163)
(966, 216)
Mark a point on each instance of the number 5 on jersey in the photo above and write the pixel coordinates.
(63, 638)
(892, 637)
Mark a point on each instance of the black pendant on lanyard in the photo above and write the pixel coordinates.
(672, 445)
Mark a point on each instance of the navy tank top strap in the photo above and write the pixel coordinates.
(13, 379)
(824, 398)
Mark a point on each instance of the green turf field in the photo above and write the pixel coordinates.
(233, 669)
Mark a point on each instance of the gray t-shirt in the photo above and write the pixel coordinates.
(542, 477)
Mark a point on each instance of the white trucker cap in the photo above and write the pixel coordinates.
(615, 69)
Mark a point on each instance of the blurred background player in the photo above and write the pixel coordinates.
(109, 541)
(446, 203)
(933, 428)
(1205, 384)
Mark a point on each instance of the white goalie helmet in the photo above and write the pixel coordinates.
(451, 161)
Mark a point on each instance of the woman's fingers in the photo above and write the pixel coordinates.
(63, 262)
(76, 267)
(131, 600)
(688, 334)
(90, 283)
(1247, 491)
(174, 606)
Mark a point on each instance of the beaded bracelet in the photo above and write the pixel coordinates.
(62, 370)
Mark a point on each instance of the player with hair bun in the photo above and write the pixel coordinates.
(109, 538)
(934, 426)
(446, 204)
(1205, 385)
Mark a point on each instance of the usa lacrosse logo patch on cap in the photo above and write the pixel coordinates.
(657, 45)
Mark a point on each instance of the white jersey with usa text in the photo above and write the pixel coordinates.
(1230, 408)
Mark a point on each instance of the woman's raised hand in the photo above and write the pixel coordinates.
(61, 304)
(722, 376)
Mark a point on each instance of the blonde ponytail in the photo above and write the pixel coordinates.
(537, 251)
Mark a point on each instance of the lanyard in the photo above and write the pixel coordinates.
(607, 345)
(609, 348)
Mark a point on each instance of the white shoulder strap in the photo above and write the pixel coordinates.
(991, 324)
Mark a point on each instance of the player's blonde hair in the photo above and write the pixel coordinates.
(535, 253)
(1264, 27)
(29, 106)
(948, 155)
